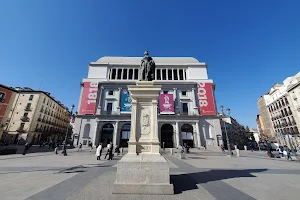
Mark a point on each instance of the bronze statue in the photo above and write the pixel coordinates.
(147, 68)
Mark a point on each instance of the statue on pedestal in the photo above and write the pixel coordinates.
(147, 68)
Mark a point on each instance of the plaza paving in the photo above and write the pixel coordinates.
(203, 175)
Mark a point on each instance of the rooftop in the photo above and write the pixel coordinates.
(137, 60)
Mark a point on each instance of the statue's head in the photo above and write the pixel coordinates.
(146, 53)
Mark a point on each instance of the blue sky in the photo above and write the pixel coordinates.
(248, 45)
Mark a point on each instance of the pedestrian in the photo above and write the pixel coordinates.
(287, 153)
(122, 150)
(56, 149)
(117, 150)
(99, 151)
(26, 147)
(80, 147)
(108, 149)
(110, 157)
(222, 148)
(91, 146)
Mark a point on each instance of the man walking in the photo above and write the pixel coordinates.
(111, 151)
(99, 151)
(80, 147)
(108, 149)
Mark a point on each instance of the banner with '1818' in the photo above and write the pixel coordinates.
(88, 98)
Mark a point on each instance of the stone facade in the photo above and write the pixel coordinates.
(177, 76)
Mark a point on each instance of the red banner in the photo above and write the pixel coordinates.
(88, 98)
(206, 99)
(166, 104)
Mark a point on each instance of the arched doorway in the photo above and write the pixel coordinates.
(166, 133)
(107, 134)
(125, 134)
(187, 134)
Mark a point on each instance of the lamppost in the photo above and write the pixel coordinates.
(65, 142)
(227, 139)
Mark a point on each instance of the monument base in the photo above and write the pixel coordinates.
(143, 174)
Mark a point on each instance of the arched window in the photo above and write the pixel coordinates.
(86, 131)
(125, 135)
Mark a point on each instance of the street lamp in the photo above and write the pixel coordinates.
(65, 142)
(227, 139)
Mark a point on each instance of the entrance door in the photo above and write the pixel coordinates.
(107, 134)
(125, 134)
(187, 134)
(166, 132)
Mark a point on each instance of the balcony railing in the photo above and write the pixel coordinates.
(110, 113)
(25, 119)
(27, 109)
(21, 129)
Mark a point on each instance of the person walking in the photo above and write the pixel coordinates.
(108, 149)
(91, 146)
(288, 154)
(222, 148)
(117, 150)
(26, 147)
(56, 149)
(80, 147)
(110, 157)
(99, 151)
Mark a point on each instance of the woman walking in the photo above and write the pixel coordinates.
(99, 151)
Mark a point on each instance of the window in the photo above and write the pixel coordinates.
(158, 74)
(164, 74)
(2, 95)
(136, 74)
(166, 92)
(113, 74)
(124, 73)
(22, 126)
(181, 74)
(44, 100)
(130, 71)
(28, 105)
(183, 93)
(175, 74)
(170, 74)
(109, 107)
(25, 114)
(111, 92)
(119, 74)
(185, 109)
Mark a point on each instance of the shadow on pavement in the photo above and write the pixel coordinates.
(192, 179)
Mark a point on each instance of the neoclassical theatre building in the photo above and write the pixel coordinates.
(186, 112)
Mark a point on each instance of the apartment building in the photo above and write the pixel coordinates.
(36, 116)
(282, 110)
(7, 96)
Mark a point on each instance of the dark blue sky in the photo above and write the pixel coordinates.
(248, 45)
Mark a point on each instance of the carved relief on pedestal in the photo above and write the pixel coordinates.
(145, 121)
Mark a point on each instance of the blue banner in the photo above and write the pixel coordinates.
(125, 102)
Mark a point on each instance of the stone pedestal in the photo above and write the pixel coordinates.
(143, 170)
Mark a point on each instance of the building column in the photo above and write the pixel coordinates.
(198, 135)
(95, 132)
(100, 100)
(194, 99)
(119, 100)
(177, 135)
(115, 135)
(175, 100)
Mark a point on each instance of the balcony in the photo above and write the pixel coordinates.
(27, 109)
(43, 120)
(21, 129)
(108, 113)
(25, 119)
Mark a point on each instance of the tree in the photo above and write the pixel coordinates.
(247, 129)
